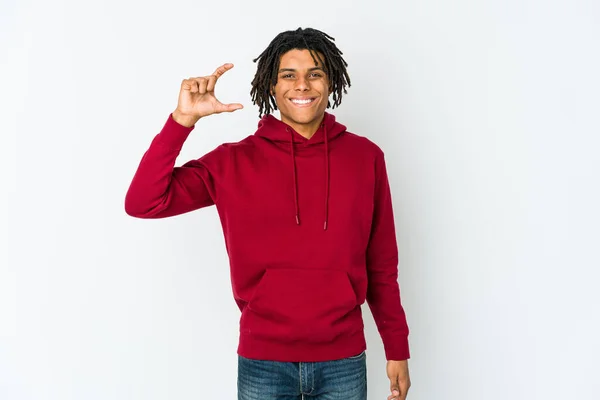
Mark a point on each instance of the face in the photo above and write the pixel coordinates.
(302, 91)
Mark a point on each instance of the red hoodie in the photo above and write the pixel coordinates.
(308, 227)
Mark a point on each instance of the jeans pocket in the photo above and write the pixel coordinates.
(358, 356)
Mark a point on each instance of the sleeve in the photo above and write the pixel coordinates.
(383, 292)
(159, 189)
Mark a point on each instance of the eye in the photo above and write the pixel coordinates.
(316, 75)
(286, 76)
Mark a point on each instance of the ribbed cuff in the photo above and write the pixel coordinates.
(397, 349)
(173, 135)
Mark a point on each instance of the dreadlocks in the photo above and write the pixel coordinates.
(313, 40)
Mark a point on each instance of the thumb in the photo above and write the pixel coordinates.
(228, 107)
(394, 389)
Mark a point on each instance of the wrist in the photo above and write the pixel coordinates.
(184, 119)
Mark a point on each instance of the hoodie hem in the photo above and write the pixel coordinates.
(260, 349)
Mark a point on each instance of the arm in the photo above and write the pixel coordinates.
(159, 189)
(383, 292)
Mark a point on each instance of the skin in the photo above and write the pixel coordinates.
(298, 78)
(397, 372)
(197, 98)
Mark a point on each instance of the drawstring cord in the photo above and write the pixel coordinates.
(326, 179)
(295, 173)
(295, 176)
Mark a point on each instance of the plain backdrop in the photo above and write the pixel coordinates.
(487, 112)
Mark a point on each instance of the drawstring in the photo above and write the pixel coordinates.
(326, 179)
(295, 177)
(325, 223)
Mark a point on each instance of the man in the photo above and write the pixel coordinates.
(307, 218)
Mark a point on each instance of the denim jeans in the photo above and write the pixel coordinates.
(327, 380)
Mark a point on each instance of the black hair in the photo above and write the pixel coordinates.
(309, 39)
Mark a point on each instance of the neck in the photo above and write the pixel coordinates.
(306, 130)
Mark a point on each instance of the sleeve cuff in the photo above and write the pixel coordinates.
(397, 350)
(173, 134)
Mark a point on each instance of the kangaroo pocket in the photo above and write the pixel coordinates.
(312, 306)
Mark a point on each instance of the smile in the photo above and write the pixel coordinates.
(302, 102)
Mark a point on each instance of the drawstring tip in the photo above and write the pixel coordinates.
(325, 226)
(297, 219)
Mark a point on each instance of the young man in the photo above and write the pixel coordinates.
(307, 218)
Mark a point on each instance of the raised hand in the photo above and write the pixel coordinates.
(197, 98)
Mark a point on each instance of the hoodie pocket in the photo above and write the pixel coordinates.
(310, 305)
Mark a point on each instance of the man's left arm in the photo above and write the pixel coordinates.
(383, 292)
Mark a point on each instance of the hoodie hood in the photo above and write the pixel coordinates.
(274, 130)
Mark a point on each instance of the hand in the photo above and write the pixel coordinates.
(197, 98)
(397, 372)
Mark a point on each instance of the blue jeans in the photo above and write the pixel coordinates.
(327, 380)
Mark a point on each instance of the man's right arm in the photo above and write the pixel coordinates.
(158, 188)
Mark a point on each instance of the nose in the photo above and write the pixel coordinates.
(302, 84)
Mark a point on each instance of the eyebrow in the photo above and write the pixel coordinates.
(293, 70)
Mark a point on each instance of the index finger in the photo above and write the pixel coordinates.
(222, 69)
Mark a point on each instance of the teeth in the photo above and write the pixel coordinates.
(302, 101)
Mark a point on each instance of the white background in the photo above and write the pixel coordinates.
(488, 114)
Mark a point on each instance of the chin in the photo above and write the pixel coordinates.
(303, 118)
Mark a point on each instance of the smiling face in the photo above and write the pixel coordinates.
(302, 91)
